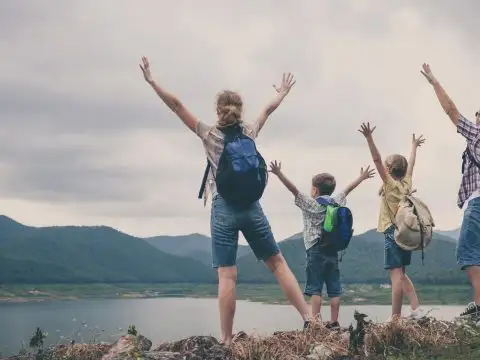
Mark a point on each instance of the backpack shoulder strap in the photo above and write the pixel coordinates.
(204, 180)
(231, 132)
(471, 157)
(421, 224)
(391, 215)
(323, 201)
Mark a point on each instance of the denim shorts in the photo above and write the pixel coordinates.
(225, 224)
(322, 268)
(395, 256)
(468, 246)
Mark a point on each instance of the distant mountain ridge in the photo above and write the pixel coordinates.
(363, 262)
(86, 254)
(453, 234)
(195, 246)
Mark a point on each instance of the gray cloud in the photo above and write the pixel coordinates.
(85, 140)
(52, 173)
(66, 114)
(460, 16)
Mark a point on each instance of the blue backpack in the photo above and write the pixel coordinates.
(242, 173)
(337, 228)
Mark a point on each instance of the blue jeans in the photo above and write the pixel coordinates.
(322, 268)
(225, 224)
(468, 246)
(395, 256)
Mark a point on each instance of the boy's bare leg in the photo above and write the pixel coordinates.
(227, 278)
(289, 284)
(334, 308)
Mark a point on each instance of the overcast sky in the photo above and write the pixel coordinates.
(85, 141)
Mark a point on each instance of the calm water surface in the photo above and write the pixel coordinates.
(158, 319)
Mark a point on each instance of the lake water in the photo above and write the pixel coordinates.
(159, 319)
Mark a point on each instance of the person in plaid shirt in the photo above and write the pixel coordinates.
(468, 247)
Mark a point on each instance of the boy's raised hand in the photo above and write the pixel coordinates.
(367, 173)
(366, 130)
(417, 142)
(364, 175)
(275, 168)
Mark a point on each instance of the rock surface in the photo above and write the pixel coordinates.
(192, 348)
(197, 348)
(320, 352)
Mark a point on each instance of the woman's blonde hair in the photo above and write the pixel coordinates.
(229, 108)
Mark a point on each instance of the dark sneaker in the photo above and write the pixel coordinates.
(306, 325)
(333, 325)
(471, 310)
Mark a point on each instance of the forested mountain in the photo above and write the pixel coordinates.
(88, 254)
(196, 246)
(453, 234)
(363, 262)
(73, 254)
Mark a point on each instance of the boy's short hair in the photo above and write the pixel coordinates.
(325, 183)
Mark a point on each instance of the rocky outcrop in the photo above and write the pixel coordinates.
(193, 348)
(366, 340)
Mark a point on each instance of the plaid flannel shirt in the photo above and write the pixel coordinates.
(470, 172)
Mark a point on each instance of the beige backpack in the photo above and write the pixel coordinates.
(413, 223)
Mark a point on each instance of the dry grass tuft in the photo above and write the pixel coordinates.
(291, 345)
(401, 336)
(406, 336)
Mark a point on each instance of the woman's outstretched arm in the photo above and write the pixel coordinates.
(282, 92)
(169, 99)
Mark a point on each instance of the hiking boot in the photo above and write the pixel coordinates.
(472, 310)
(306, 325)
(332, 325)
(311, 325)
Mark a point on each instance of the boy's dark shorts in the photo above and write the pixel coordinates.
(322, 267)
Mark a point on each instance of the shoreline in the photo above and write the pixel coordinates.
(20, 300)
(355, 294)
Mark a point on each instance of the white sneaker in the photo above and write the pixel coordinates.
(416, 314)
